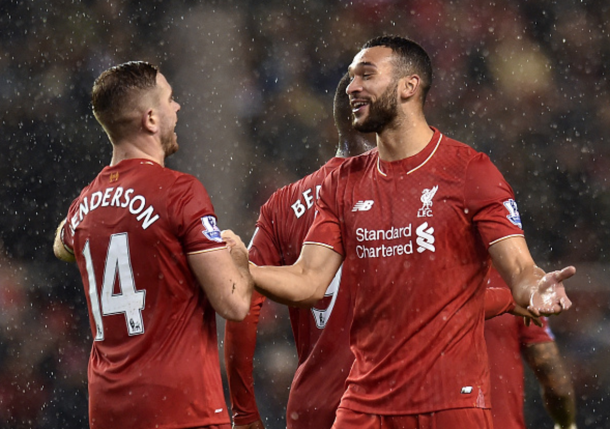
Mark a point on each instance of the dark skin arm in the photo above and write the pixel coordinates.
(554, 379)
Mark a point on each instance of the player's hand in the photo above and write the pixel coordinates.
(528, 317)
(233, 241)
(254, 425)
(550, 297)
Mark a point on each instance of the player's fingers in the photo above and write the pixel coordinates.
(564, 274)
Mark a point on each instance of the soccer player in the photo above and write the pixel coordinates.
(321, 332)
(154, 267)
(507, 339)
(414, 224)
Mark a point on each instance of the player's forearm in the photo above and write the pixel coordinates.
(289, 285)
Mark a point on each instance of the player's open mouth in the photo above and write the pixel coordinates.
(358, 105)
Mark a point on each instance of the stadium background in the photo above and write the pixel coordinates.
(524, 81)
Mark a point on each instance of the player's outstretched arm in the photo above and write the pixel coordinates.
(557, 391)
(59, 249)
(301, 284)
(539, 292)
(224, 276)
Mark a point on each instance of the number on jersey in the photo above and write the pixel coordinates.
(128, 301)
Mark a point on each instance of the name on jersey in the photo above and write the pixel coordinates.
(299, 208)
(116, 197)
(424, 241)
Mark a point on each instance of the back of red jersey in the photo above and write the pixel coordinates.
(154, 360)
(322, 332)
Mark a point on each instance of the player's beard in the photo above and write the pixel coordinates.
(169, 142)
(381, 112)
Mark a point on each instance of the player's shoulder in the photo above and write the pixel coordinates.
(463, 153)
(358, 163)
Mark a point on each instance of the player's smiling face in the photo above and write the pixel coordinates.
(372, 91)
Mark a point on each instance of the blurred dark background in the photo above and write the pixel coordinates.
(524, 81)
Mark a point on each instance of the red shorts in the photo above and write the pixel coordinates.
(460, 418)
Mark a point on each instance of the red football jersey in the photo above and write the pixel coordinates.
(506, 336)
(414, 234)
(154, 360)
(321, 333)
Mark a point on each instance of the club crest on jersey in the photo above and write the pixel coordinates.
(513, 212)
(212, 232)
(363, 206)
(426, 199)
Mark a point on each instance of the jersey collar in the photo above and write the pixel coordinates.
(412, 163)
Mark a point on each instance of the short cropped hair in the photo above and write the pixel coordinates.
(115, 90)
(410, 58)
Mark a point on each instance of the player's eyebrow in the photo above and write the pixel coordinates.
(361, 64)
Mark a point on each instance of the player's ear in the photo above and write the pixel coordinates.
(150, 121)
(408, 86)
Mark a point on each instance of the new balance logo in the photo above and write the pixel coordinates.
(363, 206)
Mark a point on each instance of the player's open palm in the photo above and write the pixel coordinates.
(551, 298)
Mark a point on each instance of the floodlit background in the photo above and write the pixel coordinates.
(524, 81)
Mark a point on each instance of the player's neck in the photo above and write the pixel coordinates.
(137, 149)
(356, 144)
(403, 141)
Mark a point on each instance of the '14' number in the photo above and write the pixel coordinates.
(129, 301)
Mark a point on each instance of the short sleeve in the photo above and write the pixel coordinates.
(326, 229)
(491, 201)
(192, 215)
(263, 248)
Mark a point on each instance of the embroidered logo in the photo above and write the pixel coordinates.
(513, 212)
(426, 199)
(211, 229)
(466, 390)
(363, 206)
(425, 238)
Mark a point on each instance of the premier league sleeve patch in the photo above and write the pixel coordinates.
(212, 232)
(513, 213)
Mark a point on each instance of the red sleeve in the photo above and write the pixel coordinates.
(498, 296)
(191, 211)
(239, 347)
(326, 229)
(535, 334)
(498, 300)
(491, 200)
(263, 248)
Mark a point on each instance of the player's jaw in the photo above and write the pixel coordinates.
(372, 116)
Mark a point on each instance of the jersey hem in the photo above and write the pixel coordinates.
(375, 410)
(504, 238)
(197, 252)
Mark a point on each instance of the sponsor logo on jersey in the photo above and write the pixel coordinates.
(363, 206)
(513, 212)
(426, 199)
(395, 241)
(212, 232)
(466, 390)
(425, 238)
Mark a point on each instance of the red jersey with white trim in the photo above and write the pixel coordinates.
(506, 336)
(321, 333)
(154, 360)
(414, 235)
